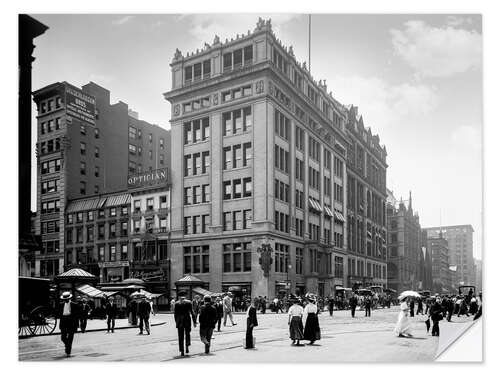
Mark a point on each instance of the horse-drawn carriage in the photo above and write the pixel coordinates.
(37, 305)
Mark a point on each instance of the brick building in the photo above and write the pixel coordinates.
(258, 158)
(83, 150)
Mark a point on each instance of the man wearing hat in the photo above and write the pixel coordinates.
(68, 322)
(227, 304)
(84, 313)
(111, 312)
(183, 313)
(143, 312)
(207, 320)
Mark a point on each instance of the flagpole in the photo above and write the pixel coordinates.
(309, 43)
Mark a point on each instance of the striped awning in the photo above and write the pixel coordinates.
(83, 205)
(90, 291)
(117, 200)
(339, 216)
(328, 211)
(314, 204)
(204, 292)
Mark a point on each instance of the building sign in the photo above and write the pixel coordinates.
(146, 275)
(122, 263)
(148, 179)
(79, 105)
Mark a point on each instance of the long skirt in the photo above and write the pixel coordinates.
(312, 331)
(403, 325)
(296, 328)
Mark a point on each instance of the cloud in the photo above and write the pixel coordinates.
(204, 27)
(458, 21)
(123, 20)
(467, 138)
(382, 104)
(438, 52)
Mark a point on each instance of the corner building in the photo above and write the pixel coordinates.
(258, 157)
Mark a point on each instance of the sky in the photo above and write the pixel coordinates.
(417, 80)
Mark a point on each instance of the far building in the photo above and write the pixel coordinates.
(479, 274)
(405, 245)
(443, 272)
(460, 242)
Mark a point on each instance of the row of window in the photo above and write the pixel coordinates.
(358, 268)
(51, 166)
(237, 188)
(237, 220)
(114, 230)
(83, 149)
(198, 71)
(50, 104)
(49, 146)
(101, 213)
(50, 206)
(196, 164)
(237, 121)
(196, 224)
(281, 159)
(281, 222)
(196, 131)
(150, 203)
(314, 178)
(281, 125)
(237, 58)
(281, 191)
(196, 194)
(237, 156)
(50, 186)
(237, 93)
(50, 227)
(195, 105)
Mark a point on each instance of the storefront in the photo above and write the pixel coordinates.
(114, 272)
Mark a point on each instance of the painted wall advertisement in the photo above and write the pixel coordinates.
(147, 179)
(79, 105)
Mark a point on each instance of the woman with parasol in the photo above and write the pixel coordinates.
(403, 326)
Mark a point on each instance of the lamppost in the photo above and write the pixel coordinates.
(288, 284)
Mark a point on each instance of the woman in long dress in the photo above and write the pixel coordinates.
(403, 326)
(311, 331)
(295, 322)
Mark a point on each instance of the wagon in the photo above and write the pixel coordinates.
(36, 307)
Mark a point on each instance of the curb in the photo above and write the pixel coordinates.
(90, 330)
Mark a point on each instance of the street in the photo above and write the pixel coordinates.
(344, 339)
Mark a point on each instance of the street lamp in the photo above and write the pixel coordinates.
(288, 281)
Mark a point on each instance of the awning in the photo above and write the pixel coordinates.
(328, 211)
(117, 200)
(339, 216)
(204, 292)
(90, 291)
(82, 205)
(314, 204)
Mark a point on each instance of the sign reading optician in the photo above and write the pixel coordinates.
(148, 179)
(79, 105)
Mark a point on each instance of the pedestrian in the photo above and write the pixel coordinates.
(196, 307)
(132, 313)
(68, 322)
(312, 331)
(368, 306)
(295, 313)
(172, 304)
(480, 310)
(412, 307)
(353, 302)
(207, 319)
(183, 313)
(473, 305)
(264, 304)
(143, 312)
(436, 313)
(84, 314)
(111, 312)
(330, 305)
(220, 312)
(403, 327)
(251, 323)
(420, 306)
(227, 304)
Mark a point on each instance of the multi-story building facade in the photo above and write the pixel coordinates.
(424, 270)
(478, 274)
(258, 159)
(405, 246)
(83, 150)
(366, 205)
(442, 274)
(460, 243)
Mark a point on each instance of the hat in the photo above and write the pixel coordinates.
(207, 298)
(66, 295)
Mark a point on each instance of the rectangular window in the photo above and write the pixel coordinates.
(247, 154)
(227, 190)
(188, 167)
(137, 205)
(205, 156)
(187, 196)
(237, 220)
(228, 161)
(227, 221)
(204, 223)
(237, 189)
(124, 252)
(83, 187)
(227, 61)
(247, 219)
(132, 149)
(150, 204)
(247, 119)
(247, 187)
(237, 156)
(205, 193)
(83, 148)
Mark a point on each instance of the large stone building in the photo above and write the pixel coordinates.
(366, 205)
(460, 242)
(405, 246)
(478, 274)
(442, 273)
(258, 171)
(85, 146)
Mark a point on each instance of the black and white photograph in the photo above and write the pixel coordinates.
(248, 187)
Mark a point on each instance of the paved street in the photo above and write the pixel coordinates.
(343, 339)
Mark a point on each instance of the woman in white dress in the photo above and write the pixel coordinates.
(295, 313)
(403, 326)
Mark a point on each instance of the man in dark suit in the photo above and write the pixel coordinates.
(353, 302)
(207, 320)
(183, 313)
(111, 312)
(84, 314)
(143, 312)
(220, 312)
(68, 320)
(368, 306)
(251, 323)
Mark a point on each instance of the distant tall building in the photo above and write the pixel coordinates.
(405, 245)
(442, 274)
(85, 146)
(424, 270)
(459, 239)
(479, 274)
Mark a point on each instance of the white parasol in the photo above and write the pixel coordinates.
(409, 293)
